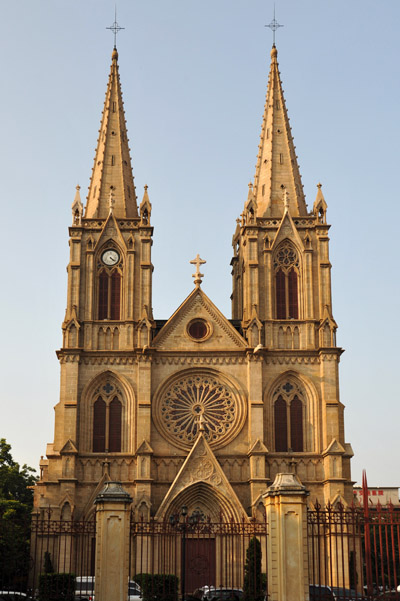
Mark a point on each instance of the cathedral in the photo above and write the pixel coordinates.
(197, 410)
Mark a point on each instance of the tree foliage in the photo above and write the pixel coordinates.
(16, 502)
(57, 587)
(158, 587)
(253, 579)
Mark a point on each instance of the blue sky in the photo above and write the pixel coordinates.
(194, 78)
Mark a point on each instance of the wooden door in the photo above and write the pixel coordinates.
(200, 563)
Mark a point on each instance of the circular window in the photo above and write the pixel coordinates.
(200, 398)
(198, 329)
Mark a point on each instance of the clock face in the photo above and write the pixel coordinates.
(110, 257)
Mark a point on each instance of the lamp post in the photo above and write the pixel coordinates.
(184, 515)
(181, 526)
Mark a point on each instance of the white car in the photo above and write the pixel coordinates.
(84, 589)
(14, 596)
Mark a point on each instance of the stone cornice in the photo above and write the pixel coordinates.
(200, 360)
(98, 224)
(75, 232)
(131, 457)
(216, 357)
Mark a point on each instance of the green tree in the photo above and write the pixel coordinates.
(253, 579)
(16, 502)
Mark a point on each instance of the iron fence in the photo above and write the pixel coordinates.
(221, 558)
(352, 550)
(355, 551)
(61, 546)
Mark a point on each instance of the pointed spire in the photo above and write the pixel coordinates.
(320, 205)
(77, 208)
(112, 165)
(277, 169)
(145, 208)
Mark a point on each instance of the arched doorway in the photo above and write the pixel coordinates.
(201, 538)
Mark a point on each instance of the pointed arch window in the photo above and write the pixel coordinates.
(286, 265)
(107, 425)
(281, 441)
(296, 424)
(103, 294)
(115, 424)
(109, 290)
(99, 426)
(289, 418)
(115, 296)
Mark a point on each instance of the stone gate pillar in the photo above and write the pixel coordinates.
(112, 543)
(286, 509)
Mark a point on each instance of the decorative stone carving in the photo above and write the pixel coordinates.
(201, 466)
(211, 360)
(197, 396)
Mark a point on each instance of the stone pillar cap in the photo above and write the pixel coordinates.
(286, 484)
(114, 493)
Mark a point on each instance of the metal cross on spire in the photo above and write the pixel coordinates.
(274, 25)
(115, 28)
(197, 276)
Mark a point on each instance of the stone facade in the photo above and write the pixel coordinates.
(197, 410)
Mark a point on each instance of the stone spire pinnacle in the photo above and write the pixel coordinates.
(112, 168)
(277, 169)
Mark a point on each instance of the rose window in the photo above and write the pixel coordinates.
(194, 401)
(286, 257)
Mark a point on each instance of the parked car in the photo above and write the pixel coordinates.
(347, 594)
(224, 594)
(14, 596)
(134, 591)
(84, 589)
(320, 592)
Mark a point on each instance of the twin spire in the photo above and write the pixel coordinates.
(112, 170)
(277, 174)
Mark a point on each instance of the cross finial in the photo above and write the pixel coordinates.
(115, 28)
(274, 25)
(197, 276)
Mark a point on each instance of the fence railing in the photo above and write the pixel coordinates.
(355, 550)
(200, 553)
(62, 546)
(352, 550)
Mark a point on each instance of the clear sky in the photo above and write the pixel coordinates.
(194, 76)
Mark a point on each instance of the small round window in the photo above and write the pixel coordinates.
(198, 329)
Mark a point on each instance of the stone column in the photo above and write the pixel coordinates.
(285, 504)
(112, 543)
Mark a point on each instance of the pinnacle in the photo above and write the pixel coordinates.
(276, 159)
(112, 164)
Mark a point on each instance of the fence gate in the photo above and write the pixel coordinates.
(197, 553)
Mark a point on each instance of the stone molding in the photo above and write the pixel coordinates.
(210, 360)
(291, 360)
